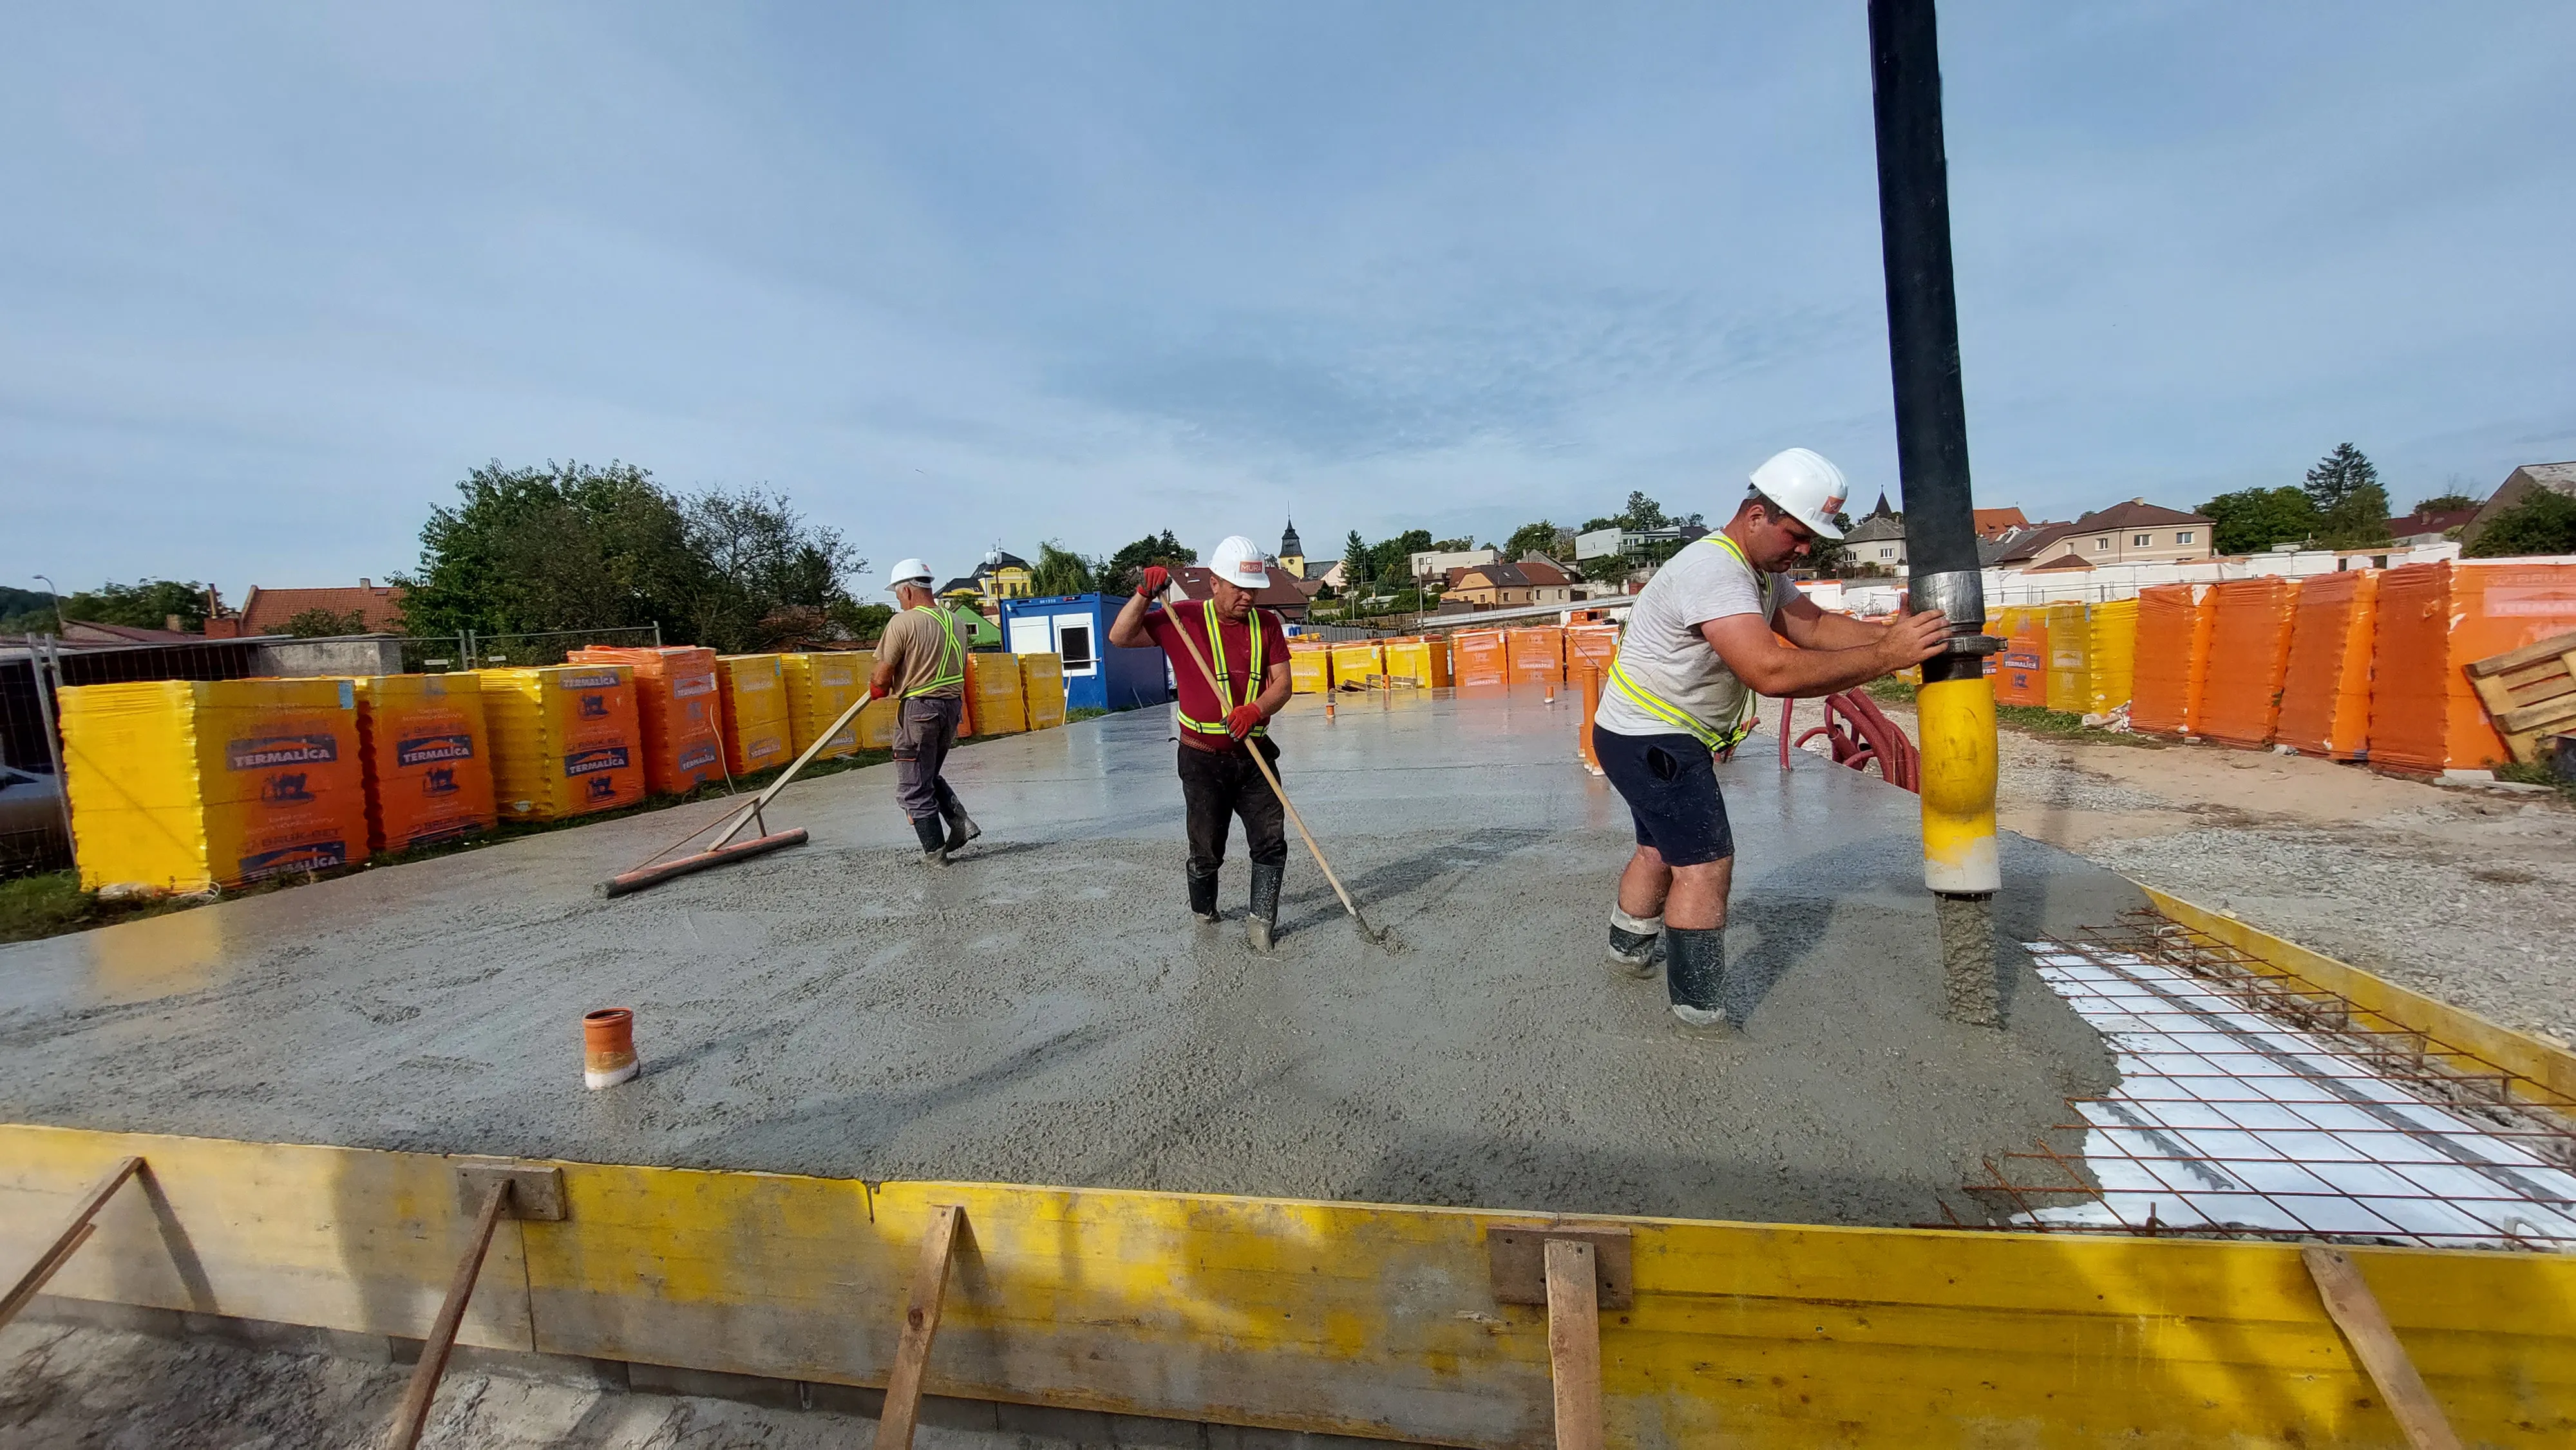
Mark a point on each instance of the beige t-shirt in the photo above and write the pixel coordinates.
(912, 640)
(1663, 650)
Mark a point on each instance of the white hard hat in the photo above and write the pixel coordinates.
(1239, 562)
(1806, 484)
(910, 571)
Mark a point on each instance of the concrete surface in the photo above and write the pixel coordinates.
(1045, 1011)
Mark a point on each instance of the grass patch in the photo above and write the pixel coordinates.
(1083, 712)
(53, 903)
(2521, 774)
(2027, 719)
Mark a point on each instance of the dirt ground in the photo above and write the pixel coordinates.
(2466, 893)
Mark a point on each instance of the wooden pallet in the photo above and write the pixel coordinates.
(2529, 693)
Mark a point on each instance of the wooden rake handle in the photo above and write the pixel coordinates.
(1272, 776)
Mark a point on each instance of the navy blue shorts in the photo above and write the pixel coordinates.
(1670, 784)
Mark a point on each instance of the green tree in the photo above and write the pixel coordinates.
(1452, 546)
(1355, 559)
(1120, 574)
(1061, 571)
(2544, 523)
(1832, 558)
(1538, 538)
(143, 604)
(2252, 520)
(761, 574)
(1391, 560)
(2352, 509)
(863, 622)
(1642, 513)
(323, 623)
(2444, 503)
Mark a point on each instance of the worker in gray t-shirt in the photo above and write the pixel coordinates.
(1700, 644)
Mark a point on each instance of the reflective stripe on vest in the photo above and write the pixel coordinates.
(952, 654)
(1718, 740)
(1225, 700)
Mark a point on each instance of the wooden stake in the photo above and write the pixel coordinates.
(75, 1232)
(2355, 1311)
(920, 1324)
(1574, 1343)
(413, 1412)
(1276, 788)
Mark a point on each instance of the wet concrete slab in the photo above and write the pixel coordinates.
(1046, 1011)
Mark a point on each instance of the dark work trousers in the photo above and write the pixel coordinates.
(1218, 784)
(924, 732)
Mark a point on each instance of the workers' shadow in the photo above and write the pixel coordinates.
(1767, 938)
(1455, 854)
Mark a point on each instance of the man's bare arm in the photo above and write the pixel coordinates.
(1275, 689)
(1127, 631)
(1769, 667)
(1809, 627)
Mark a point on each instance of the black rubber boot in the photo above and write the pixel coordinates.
(1263, 918)
(1203, 895)
(934, 841)
(961, 829)
(1636, 944)
(1695, 978)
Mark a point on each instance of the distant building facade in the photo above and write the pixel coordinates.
(2559, 478)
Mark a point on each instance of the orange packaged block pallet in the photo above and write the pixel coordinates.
(2434, 621)
(1476, 659)
(2172, 662)
(427, 758)
(566, 740)
(2249, 652)
(820, 686)
(1536, 656)
(757, 735)
(2021, 671)
(676, 703)
(2325, 694)
(1590, 644)
(184, 785)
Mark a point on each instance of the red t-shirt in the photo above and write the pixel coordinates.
(1197, 700)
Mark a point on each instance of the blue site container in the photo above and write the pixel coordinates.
(1097, 674)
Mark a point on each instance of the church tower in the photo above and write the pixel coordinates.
(1292, 554)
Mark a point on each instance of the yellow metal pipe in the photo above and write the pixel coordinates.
(1957, 719)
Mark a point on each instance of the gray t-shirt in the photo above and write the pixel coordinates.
(1664, 652)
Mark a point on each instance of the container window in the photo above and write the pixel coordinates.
(1073, 641)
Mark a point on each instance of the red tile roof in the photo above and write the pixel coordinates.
(266, 611)
(2436, 522)
(1995, 523)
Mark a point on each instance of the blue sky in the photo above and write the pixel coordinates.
(274, 279)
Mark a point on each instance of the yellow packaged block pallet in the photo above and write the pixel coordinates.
(2112, 654)
(1423, 661)
(1310, 666)
(993, 680)
(2070, 681)
(1357, 662)
(756, 732)
(1042, 690)
(183, 785)
(819, 688)
(566, 740)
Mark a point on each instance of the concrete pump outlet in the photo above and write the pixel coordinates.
(1957, 721)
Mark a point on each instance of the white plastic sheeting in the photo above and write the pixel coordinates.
(2226, 1118)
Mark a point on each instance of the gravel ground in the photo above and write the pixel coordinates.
(2464, 893)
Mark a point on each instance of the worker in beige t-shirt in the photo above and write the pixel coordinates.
(921, 664)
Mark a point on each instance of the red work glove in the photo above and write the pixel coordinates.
(1150, 583)
(1240, 720)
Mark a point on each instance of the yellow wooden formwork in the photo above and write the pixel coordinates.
(1350, 1318)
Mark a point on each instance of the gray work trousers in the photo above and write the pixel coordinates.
(924, 732)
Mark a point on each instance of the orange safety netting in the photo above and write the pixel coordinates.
(683, 720)
(1476, 658)
(2172, 658)
(2325, 695)
(2249, 650)
(2435, 619)
(1536, 656)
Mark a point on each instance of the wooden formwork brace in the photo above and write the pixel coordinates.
(75, 1232)
(1576, 1273)
(920, 1326)
(532, 1193)
(2355, 1311)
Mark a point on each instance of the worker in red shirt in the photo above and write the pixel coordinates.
(1248, 651)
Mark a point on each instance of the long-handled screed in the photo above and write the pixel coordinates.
(1367, 932)
(723, 851)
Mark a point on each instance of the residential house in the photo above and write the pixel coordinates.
(1877, 542)
(1507, 584)
(1327, 572)
(1549, 581)
(2518, 485)
(1602, 543)
(1001, 576)
(1435, 564)
(377, 608)
(1281, 593)
(1995, 523)
(2428, 527)
(2136, 532)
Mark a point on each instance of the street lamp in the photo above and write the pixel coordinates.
(55, 591)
